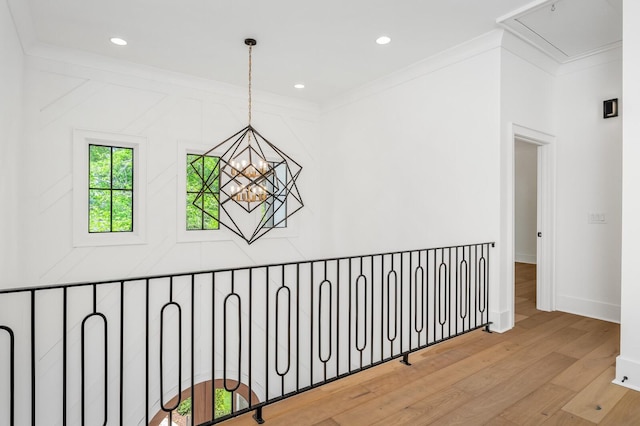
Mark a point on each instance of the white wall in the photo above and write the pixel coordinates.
(526, 191)
(589, 177)
(166, 109)
(415, 156)
(526, 93)
(11, 95)
(628, 363)
(566, 103)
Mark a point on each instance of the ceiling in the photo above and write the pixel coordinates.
(328, 45)
(569, 29)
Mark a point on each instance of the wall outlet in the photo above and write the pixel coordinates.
(596, 219)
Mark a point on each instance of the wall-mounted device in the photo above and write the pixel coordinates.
(610, 108)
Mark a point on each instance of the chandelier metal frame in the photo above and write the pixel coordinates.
(257, 181)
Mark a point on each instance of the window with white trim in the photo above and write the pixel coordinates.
(108, 193)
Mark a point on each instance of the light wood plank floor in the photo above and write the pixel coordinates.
(553, 368)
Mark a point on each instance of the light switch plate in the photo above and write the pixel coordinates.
(597, 219)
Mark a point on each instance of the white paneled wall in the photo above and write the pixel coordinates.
(62, 97)
(11, 100)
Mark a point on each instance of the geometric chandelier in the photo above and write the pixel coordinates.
(256, 181)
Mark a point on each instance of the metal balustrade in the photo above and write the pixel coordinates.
(120, 352)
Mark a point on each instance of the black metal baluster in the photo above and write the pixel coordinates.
(321, 287)
(311, 325)
(282, 374)
(146, 359)
(179, 386)
(121, 378)
(410, 301)
(337, 317)
(193, 337)
(401, 303)
(394, 274)
(227, 299)
(266, 355)
(33, 357)
(449, 300)
(426, 295)
(95, 313)
(476, 304)
(436, 294)
(382, 306)
(250, 348)
(418, 327)
(12, 374)
(457, 295)
(372, 309)
(213, 347)
(350, 343)
(298, 327)
(486, 303)
(64, 357)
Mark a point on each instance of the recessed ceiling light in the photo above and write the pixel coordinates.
(299, 86)
(383, 40)
(118, 41)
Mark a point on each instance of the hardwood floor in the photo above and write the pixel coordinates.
(553, 368)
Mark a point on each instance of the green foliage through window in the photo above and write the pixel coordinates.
(184, 409)
(203, 192)
(223, 403)
(110, 189)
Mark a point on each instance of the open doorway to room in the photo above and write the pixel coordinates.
(525, 227)
(545, 218)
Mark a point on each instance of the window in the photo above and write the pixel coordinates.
(275, 210)
(110, 189)
(203, 192)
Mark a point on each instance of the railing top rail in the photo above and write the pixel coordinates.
(238, 268)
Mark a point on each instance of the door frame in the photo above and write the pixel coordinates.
(546, 218)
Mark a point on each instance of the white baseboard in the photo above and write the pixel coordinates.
(525, 258)
(588, 308)
(627, 373)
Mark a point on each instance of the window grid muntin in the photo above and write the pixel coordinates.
(111, 189)
(210, 192)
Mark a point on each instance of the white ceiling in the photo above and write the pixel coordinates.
(328, 45)
(569, 29)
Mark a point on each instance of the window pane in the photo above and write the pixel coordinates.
(194, 214)
(99, 166)
(194, 173)
(99, 210)
(202, 179)
(122, 211)
(110, 168)
(211, 173)
(211, 212)
(223, 402)
(275, 210)
(122, 168)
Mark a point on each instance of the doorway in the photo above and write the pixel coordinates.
(525, 227)
(545, 231)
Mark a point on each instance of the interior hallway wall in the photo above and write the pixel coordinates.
(415, 156)
(11, 176)
(628, 363)
(589, 181)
